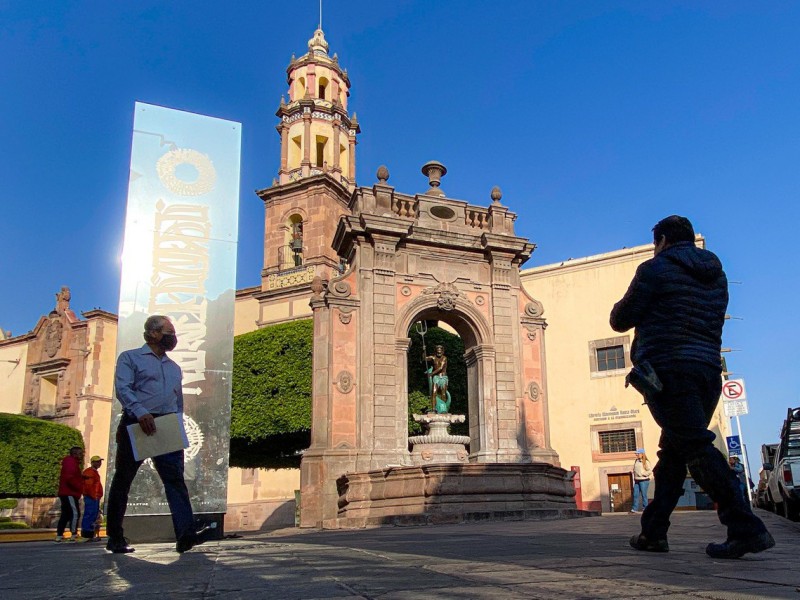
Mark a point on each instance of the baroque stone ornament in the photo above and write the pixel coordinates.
(383, 174)
(531, 332)
(340, 289)
(52, 337)
(448, 295)
(534, 309)
(317, 287)
(344, 382)
(534, 391)
(405, 290)
(345, 316)
(480, 300)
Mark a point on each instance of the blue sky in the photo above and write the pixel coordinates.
(595, 118)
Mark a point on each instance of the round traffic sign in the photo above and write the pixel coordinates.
(732, 390)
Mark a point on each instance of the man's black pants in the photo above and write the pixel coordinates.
(70, 514)
(170, 470)
(684, 409)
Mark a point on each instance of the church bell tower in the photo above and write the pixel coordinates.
(314, 184)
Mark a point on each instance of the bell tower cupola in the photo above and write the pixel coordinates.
(318, 135)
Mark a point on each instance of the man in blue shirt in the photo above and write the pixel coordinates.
(148, 385)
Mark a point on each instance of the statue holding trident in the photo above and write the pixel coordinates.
(437, 381)
(437, 374)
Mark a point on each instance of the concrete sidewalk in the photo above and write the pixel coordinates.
(581, 558)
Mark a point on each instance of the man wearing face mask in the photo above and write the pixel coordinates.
(148, 385)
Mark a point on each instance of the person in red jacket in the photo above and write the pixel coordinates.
(70, 488)
(92, 492)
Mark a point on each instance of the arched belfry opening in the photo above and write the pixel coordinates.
(411, 259)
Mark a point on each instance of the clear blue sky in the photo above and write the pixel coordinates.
(595, 118)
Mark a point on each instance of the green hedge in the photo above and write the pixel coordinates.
(418, 398)
(8, 503)
(271, 400)
(14, 525)
(30, 455)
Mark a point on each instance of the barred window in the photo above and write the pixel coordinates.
(611, 358)
(620, 440)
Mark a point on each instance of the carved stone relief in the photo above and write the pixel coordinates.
(344, 382)
(339, 289)
(534, 309)
(534, 391)
(345, 316)
(448, 295)
(52, 337)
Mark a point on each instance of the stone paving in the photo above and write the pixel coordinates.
(580, 558)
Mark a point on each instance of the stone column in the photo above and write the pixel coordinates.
(351, 175)
(284, 148)
(313, 471)
(306, 164)
(482, 403)
(337, 123)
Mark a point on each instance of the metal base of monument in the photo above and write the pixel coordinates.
(455, 493)
(158, 528)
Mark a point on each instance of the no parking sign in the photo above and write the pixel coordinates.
(734, 398)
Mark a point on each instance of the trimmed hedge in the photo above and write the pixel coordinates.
(8, 503)
(14, 525)
(30, 455)
(418, 398)
(271, 396)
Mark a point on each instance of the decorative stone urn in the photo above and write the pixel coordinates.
(437, 445)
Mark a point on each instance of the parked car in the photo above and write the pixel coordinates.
(783, 482)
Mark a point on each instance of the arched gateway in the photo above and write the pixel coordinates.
(412, 258)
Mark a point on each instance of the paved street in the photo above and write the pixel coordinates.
(583, 558)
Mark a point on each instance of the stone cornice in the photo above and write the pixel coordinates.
(98, 313)
(316, 59)
(45, 366)
(280, 192)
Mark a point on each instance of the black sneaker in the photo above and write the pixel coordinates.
(738, 548)
(119, 546)
(640, 542)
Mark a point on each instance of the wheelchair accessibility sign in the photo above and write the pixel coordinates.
(734, 445)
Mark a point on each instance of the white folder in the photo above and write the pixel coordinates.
(169, 437)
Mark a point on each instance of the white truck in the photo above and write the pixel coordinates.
(783, 483)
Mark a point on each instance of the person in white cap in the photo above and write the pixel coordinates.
(92, 492)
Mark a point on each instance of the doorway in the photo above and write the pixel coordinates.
(620, 492)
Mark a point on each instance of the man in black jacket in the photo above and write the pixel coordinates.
(677, 302)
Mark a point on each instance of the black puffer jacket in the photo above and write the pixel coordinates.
(677, 303)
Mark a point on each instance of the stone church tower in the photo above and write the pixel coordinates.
(315, 180)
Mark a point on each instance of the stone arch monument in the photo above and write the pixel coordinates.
(412, 258)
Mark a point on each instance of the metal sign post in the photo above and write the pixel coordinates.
(734, 399)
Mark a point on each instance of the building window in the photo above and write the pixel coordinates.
(617, 440)
(609, 359)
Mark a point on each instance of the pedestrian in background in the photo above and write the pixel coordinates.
(641, 479)
(677, 302)
(738, 468)
(92, 492)
(70, 488)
